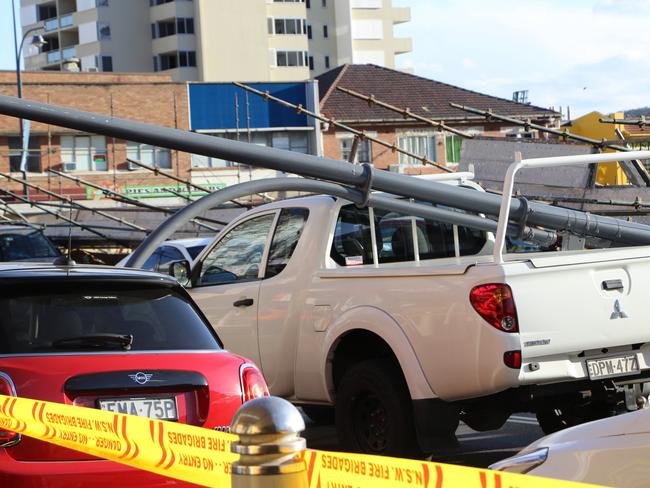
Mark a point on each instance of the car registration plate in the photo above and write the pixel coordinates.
(614, 366)
(155, 408)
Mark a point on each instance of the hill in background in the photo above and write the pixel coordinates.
(638, 112)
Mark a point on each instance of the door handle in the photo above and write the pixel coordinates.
(244, 302)
(612, 285)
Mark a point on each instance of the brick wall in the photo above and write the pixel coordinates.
(151, 98)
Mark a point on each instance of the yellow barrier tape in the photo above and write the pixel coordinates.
(203, 456)
(343, 470)
(180, 451)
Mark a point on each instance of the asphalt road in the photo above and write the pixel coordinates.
(478, 449)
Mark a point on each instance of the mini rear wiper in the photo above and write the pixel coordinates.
(95, 341)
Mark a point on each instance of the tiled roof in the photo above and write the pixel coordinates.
(422, 96)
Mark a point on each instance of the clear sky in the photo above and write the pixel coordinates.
(585, 54)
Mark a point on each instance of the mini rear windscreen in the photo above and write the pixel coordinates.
(90, 317)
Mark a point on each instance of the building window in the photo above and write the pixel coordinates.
(159, 157)
(33, 154)
(363, 154)
(155, 63)
(308, 4)
(291, 58)
(327, 61)
(185, 25)
(103, 31)
(46, 12)
(423, 144)
(166, 28)
(83, 153)
(107, 63)
(452, 148)
(324, 3)
(297, 141)
(311, 63)
(325, 31)
(101, 3)
(288, 26)
(174, 60)
(309, 32)
(168, 61)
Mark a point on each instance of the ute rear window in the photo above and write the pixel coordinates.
(37, 319)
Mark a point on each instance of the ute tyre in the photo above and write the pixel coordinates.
(374, 411)
(319, 414)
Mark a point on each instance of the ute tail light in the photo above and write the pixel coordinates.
(7, 437)
(253, 384)
(495, 303)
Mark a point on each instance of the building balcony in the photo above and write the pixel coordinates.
(59, 23)
(401, 15)
(403, 45)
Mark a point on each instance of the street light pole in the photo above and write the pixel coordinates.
(37, 41)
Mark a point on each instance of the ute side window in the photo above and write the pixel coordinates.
(285, 239)
(396, 237)
(352, 244)
(238, 254)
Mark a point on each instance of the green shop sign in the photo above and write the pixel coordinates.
(152, 191)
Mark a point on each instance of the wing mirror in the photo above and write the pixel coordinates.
(182, 271)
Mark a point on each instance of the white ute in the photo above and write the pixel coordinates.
(406, 325)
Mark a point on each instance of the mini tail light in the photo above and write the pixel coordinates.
(512, 359)
(495, 303)
(7, 438)
(253, 384)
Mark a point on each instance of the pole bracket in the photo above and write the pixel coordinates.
(521, 223)
(366, 186)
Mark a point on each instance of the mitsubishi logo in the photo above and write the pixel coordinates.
(140, 378)
(617, 313)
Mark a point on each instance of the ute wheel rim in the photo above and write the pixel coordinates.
(370, 424)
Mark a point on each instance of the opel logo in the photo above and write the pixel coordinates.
(140, 378)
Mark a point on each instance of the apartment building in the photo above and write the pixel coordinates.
(213, 40)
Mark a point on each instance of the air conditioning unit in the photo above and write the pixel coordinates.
(69, 166)
(395, 168)
(92, 69)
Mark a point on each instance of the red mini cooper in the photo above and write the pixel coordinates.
(114, 339)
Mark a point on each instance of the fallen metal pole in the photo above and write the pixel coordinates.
(63, 217)
(125, 199)
(404, 112)
(359, 133)
(76, 204)
(534, 214)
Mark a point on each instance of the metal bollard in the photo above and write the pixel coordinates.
(269, 444)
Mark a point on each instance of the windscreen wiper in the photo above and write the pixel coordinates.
(96, 341)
